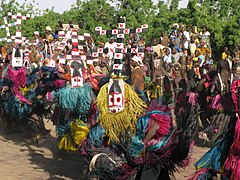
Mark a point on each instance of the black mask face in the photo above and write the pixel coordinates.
(76, 65)
(17, 52)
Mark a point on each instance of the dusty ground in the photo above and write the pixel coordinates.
(188, 171)
(23, 160)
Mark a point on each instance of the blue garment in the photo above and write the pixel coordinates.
(137, 146)
(141, 94)
(202, 60)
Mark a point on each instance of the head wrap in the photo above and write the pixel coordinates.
(36, 33)
(137, 59)
(48, 28)
(176, 24)
(149, 49)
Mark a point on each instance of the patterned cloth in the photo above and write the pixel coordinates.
(138, 78)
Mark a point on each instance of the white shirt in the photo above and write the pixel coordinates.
(193, 48)
(110, 46)
(187, 34)
(186, 45)
(177, 56)
(229, 62)
(36, 40)
(207, 33)
(167, 59)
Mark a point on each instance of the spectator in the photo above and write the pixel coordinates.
(110, 45)
(236, 54)
(194, 31)
(185, 45)
(224, 54)
(145, 67)
(189, 62)
(36, 37)
(96, 65)
(176, 55)
(182, 30)
(129, 43)
(172, 37)
(154, 42)
(205, 35)
(168, 58)
(192, 46)
(198, 58)
(174, 29)
(204, 50)
(135, 41)
(103, 67)
(164, 40)
(147, 79)
(48, 34)
(178, 43)
(137, 74)
(187, 33)
(141, 43)
(229, 59)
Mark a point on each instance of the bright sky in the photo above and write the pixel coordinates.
(183, 3)
(59, 5)
(62, 5)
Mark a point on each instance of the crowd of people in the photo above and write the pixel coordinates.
(138, 123)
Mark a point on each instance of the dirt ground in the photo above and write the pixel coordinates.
(24, 160)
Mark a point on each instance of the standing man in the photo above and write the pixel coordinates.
(48, 34)
(164, 39)
(111, 44)
(36, 37)
(175, 29)
(48, 39)
(137, 73)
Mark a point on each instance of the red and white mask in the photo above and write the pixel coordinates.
(26, 62)
(115, 95)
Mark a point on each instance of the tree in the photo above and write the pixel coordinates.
(15, 7)
(222, 17)
(92, 13)
(174, 5)
(138, 13)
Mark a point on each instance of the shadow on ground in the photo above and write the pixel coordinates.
(46, 156)
(58, 165)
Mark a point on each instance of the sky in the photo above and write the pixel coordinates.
(59, 5)
(62, 5)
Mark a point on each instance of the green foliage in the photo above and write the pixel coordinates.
(14, 7)
(222, 17)
(174, 5)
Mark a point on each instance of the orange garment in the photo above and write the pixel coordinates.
(138, 78)
(4, 52)
(224, 55)
(67, 76)
(164, 41)
(93, 70)
(204, 51)
(49, 37)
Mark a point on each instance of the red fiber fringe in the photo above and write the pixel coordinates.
(17, 76)
(232, 162)
(163, 122)
(234, 90)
